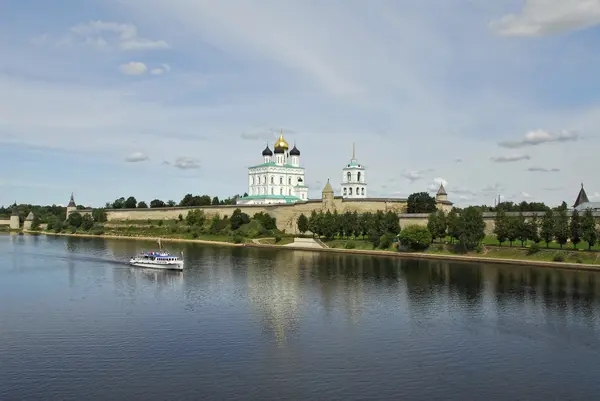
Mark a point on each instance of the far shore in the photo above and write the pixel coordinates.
(365, 252)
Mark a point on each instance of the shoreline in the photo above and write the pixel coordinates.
(365, 252)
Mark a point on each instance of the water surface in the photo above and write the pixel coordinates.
(76, 323)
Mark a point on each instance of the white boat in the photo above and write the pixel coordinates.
(157, 260)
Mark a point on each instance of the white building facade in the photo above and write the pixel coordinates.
(354, 179)
(278, 179)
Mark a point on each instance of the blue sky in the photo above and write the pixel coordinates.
(156, 99)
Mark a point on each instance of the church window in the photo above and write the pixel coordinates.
(264, 179)
(358, 178)
(280, 180)
(280, 191)
(357, 191)
(272, 180)
(290, 180)
(302, 196)
(272, 191)
(349, 191)
(349, 176)
(363, 191)
(290, 191)
(252, 180)
(345, 191)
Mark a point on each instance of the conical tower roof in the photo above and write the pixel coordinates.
(328, 189)
(15, 210)
(442, 190)
(581, 197)
(72, 201)
(29, 217)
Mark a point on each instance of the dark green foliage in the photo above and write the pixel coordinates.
(278, 238)
(533, 249)
(512, 226)
(98, 230)
(548, 227)
(99, 215)
(374, 237)
(191, 200)
(420, 202)
(558, 258)
(87, 222)
(157, 203)
(74, 219)
(501, 226)
(534, 229)
(385, 241)
(523, 229)
(171, 203)
(452, 224)
(588, 228)
(415, 237)
(328, 228)
(218, 225)
(238, 218)
(365, 223)
(314, 222)
(437, 224)
(391, 222)
(215, 200)
(237, 238)
(180, 217)
(130, 203)
(575, 228)
(302, 223)
(268, 222)
(57, 226)
(35, 224)
(561, 228)
(195, 217)
(142, 205)
(160, 223)
(350, 245)
(471, 227)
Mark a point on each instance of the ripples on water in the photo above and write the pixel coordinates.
(77, 323)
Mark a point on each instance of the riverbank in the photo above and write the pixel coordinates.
(434, 254)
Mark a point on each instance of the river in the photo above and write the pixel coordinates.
(76, 323)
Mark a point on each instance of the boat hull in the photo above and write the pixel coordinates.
(162, 266)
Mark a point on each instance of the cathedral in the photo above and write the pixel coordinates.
(278, 179)
(354, 180)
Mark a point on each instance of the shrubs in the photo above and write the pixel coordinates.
(415, 237)
(385, 241)
(558, 257)
(533, 249)
(350, 245)
(237, 238)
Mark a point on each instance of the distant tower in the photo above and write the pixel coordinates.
(442, 195)
(28, 221)
(327, 196)
(354, 179)
(71, 207)
(581, 197)
(15, 223)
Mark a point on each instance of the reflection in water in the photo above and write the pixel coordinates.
(263, 324)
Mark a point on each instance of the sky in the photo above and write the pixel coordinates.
(157, 99)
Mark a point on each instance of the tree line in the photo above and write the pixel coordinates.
(552, 226)
(187, 201)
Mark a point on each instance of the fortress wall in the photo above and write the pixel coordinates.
(5, 222)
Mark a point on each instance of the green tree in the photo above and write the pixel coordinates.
(302, 223)
(523, 233)
(561, 228)
(215, 200)
(238, 218)
(575, 228)
(501, 226)
(548, 229)
(328, 225)
(374, 237)
(512, 229)
(391, 222)
(534, 228)
(314, 222)
(420, 202)
(355, 224)
(442, 224)
(35, 223)
(74, 219)
(118, 203)
(337, 224)
(366, 223)
(142, 205)
(157, 203)
(87, 222)
(415, 237)
(588, 229)
(130, 203)
(432, 225)
(452, 223)
(99, 215)
(471, 227)
(195, 217)
(171, 203)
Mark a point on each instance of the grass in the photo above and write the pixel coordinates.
(358, 244)
(271, 241)
(491, 240)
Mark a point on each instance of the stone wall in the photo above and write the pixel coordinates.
(5, 222)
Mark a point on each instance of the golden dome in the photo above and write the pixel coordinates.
(281, 143)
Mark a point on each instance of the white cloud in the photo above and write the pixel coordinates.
(539, 137)
(105, 35)
(510, 158)
(435, 185)
(136, 157)
(164, 68)
(133, 68)
(543, 169)
(415, 175)
(546, 17)
(186, 163)
(525, 195)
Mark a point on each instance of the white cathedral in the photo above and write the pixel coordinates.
(280, 178)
